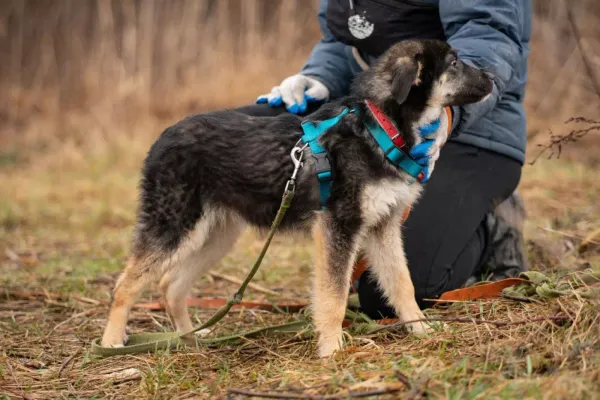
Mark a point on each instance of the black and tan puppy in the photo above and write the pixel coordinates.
(210, 175)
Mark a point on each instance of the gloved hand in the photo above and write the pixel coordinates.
(434, 136)
(295, 92)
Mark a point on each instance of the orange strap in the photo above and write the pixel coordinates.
(449, 115)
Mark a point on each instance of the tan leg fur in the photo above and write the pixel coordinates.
(330, 291)
(387, 260)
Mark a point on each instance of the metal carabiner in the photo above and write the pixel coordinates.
(296, 154)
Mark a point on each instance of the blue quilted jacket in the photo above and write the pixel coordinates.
(489, 34)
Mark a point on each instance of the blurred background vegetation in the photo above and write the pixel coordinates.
(118, 61)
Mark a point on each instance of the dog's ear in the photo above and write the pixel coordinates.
(406, 74)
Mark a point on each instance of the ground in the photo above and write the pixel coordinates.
(66, 213)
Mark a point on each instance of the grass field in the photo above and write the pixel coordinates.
(82, 102)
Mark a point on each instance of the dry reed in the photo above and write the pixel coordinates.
(124, 60)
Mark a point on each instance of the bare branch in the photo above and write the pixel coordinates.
(557, 142)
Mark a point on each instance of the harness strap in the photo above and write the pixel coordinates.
(383, 131)
(312, 132)
(391, 142)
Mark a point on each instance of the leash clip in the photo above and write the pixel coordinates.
(296, 154)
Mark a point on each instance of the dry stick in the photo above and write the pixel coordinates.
(67, 361)
(27, 295)
(558, 141)
(498, 324)
(403, 378)
(350, 395)
(22, 396)
(238, 281)
(81, 314)
(569, 235)
(586, 61)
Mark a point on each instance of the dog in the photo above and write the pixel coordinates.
(210, 175)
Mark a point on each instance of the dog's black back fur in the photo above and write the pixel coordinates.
(227, 158)
(231, 160)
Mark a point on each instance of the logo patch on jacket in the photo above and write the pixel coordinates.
(360, 27)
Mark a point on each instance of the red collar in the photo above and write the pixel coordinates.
(387, 125)
(390, 129)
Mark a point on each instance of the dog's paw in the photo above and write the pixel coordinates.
(329, 345)
(114, 340)
(202, 332)
(419, 328)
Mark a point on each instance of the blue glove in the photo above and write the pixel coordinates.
(295, 92)
(433, 136)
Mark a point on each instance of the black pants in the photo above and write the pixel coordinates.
(445, 236)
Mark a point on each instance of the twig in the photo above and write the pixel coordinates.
(88, 300)
(13, 394)
(81, 314)
(238, 281)
(283, 395)
(267, 395)
(498, 324)
(586, 61)
(67, 361)
(403, 378)
(558, 141)
(27, 295)
(569, 235)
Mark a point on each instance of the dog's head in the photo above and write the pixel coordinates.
(423, 73)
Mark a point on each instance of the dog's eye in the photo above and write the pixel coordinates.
(454, 63)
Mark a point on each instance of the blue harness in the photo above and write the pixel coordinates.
(394, 154)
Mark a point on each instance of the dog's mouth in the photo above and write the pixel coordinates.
(474, 87)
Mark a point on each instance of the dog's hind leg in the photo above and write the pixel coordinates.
(336, 245)
(177, 283)
(385, 254)
(137, 274)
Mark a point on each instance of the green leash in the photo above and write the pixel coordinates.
(152, 342)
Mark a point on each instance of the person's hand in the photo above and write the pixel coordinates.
(296, 92)
(434, 136)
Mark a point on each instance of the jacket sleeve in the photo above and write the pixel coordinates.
(328, 61)
(486, 35)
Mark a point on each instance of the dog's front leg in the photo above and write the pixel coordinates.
(385, 253)
(336, 245)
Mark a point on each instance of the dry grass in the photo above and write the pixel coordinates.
(46, 335)
(84, 95)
